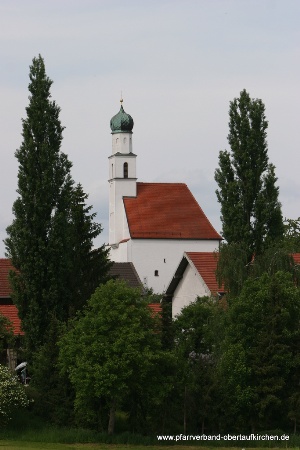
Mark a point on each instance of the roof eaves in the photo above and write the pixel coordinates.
(176, 278)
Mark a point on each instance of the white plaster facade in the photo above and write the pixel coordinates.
(189, 288)
(156, 260)
(121, 183)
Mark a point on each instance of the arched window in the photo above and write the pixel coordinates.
(125, 170)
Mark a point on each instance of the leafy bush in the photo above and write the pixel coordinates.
(12, 395)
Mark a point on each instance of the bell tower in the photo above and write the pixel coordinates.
(122, 175)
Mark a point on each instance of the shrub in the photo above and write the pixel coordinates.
(12, 395)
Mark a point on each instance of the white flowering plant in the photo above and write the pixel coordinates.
(12, 395)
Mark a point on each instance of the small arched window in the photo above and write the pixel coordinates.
(125, 170)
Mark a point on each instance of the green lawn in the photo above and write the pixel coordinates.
(21, 445)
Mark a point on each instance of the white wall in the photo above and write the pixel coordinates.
(163, 255)
(189, 288)
(118, 226)
(121, 143)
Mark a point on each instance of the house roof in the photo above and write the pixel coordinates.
(296, 257)
(166, 211)
(205, 263)
(5, 267)
(11, 312)
(126, 271)
(155, 308)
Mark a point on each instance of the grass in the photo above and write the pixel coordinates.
(29, 432)
(20, 445)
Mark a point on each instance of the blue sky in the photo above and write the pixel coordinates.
(178, 64)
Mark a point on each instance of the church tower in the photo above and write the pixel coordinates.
(122, 175)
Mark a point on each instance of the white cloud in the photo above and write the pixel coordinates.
(178, 64)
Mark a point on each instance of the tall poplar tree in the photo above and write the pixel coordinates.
(250, 211)
(52, 226)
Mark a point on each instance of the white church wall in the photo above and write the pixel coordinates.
(189, 288)
(116, 166)
(122, 143)
(156, 260)
(120, 253)
(118, 227)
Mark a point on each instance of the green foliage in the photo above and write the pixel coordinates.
(292, 235)
(251, 213)
(12, 395)
(260, 351)
(111, 348)
(6, 333)
(88, 267)
(234, 269)
(198, 330)
(52, 393)
(50, 239)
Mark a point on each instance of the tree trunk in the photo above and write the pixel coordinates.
(112, 417)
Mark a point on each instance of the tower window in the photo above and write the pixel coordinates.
(125, 170)
(156, 273)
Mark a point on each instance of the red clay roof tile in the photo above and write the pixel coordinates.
(155, 308)
(166, 211)
(5, 267)
(296, 257)
(11, 312)
(206, 265)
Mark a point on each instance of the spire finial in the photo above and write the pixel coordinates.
(121, 101)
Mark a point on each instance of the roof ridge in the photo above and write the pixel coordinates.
(161, 182)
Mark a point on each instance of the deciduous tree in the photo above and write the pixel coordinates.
(250, 210)
(260, 357)
(112, 349)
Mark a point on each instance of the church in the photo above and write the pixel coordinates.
(151, 224)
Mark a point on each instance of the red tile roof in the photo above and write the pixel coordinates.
(166, 211)
(296, 257)
(5, 267)
(155, 308)
(11, 312)
(206, 265)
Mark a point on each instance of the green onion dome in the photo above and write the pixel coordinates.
(121, 122)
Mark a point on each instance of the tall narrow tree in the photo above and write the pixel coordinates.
(250, 211)
(45, 233)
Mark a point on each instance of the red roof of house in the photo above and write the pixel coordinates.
(206, 265)
(5, 267)
(166, 211)
(155, 308)
(11, 312)
(296, 257)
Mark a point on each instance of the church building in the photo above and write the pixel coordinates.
(151, 224)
